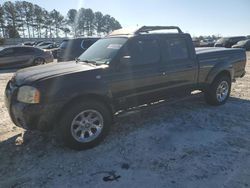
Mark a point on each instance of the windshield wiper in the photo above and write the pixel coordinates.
(77, 60)
(86, 61)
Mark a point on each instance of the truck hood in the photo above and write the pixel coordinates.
(32, 74)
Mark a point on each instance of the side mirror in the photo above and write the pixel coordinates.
(125, 60)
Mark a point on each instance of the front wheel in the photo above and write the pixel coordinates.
(219, 91)
(85, 125)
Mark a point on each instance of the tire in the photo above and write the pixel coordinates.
(219, 91)
(77, 135)
(38, 61)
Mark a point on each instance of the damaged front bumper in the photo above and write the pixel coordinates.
(31, 116)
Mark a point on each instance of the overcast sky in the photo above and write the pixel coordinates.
(206, 17)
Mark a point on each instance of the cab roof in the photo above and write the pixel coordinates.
(143, 30)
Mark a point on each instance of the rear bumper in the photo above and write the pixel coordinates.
(31, 116)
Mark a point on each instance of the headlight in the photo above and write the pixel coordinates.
(28, 94)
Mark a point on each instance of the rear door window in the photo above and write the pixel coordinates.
(64, 44)
(177, 49)
(7, 52)
(144, 51)
(87, 43)
(23, 51)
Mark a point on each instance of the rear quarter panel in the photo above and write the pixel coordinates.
(215, 61)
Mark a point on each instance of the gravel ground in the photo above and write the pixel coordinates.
(183, 144)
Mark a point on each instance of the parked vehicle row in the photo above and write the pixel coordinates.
(43, 52)
(23, 56)
(228, 42)
(78, 99)
(207, 43)
(245, 44)
(68, 50)
(38, 43)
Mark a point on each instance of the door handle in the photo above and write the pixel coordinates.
(164, 73)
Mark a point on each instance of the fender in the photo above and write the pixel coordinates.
(219, 68)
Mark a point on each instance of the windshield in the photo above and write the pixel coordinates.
(242, 42)
(103, 51)
(64, 44)
(222, 40)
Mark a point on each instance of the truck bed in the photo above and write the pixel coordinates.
(212, 57)
(216, 50)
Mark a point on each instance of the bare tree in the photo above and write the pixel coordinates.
(11, 16)
(33, 21)
(39, 20)
(2, 22)
(21, 17)
(72, 20)
(57, 20)
(89, 21)
(98, 22)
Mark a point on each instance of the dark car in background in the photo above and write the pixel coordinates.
(45, 45)
(245, 44)
(196, 42)
(228, 42)
(48, 46)
(51, 47)
(29, 43)
(23, 56)
(71, 49)
(207, 42)
(37, 42)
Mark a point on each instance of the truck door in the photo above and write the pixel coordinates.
(178, 66)
(138, 80)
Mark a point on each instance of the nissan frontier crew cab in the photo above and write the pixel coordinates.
(127, 68)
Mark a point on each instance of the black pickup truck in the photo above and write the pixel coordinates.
(127, 68)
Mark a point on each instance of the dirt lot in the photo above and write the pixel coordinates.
(185, 144)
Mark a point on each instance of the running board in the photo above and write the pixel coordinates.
(154, 105)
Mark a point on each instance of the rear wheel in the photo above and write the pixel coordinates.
(39, 61)
(85, 125)
(219, 91)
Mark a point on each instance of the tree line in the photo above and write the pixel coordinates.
(28, 20)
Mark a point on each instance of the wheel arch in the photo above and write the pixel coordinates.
(38, 57)
(222, 73)
(215, 74)
(87, 97)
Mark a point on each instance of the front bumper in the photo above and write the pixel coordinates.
(30, 116)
